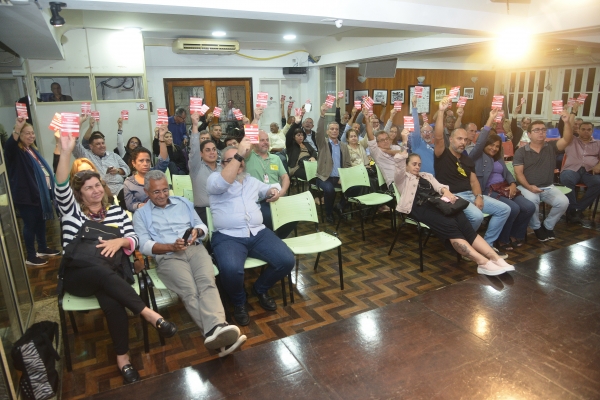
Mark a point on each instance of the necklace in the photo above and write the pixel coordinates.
(97, 217)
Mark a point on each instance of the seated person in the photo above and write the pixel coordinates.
(184, 267)
(582, 166)
(231, 141)
(83, 200)
(491, 171)
(380, 146)
(298, 149)
(133, 189)
(455, 229)
(125, 150)
(534, 167)
(240, 232)
(421, 141)
(178, 161)
(456, 170)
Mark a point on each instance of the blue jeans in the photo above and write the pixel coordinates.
(284, 230)
(521, 211)
(34, 227)
(571, 178)
(554, 198)
(328, 188)
(498, 211)
(231, 253)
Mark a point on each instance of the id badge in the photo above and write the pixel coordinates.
(266, 178)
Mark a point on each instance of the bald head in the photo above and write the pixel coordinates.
(263, 142)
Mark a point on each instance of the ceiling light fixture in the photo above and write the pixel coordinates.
(362, 79)
(513, 44)
(420, 79)
(219, 33)
(56, 19)
(289, 37)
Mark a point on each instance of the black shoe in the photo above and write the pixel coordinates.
(329, 219)
(34, 260)
(166, 329)
(541, 234)
(574, 216)
(549, 233)
(265, 300)
(240, 313)
(47, 252)
(129, 373)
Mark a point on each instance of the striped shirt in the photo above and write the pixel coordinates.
(73, 218)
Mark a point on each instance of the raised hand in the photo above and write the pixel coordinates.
(414, 101)
(120, 123)
(209, 117)
(444, 103)
(67, 143)
(258, 112)
(244, 147)
(195, 117)
(354, 111)
(323, 109)
(460, 112)
(161, 132)
(19, 123)
(92, 122)
(393, 112)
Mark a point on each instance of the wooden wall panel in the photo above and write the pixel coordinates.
(437, 78)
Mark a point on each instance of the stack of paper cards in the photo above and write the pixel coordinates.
(462, 101)
(22, 110)
(251, 132)
(419, 91)
(95, 115)
(557, 106)
(217, 112)
(55, 124)
(398, 105)
(357, 104)
(329, 100)
(497, 101)
(238, 114)
(195, 104)
(125, 115)
(499, 116)
(203, 109)
(454, 92)
(69, 124)
(581, 98)
(163, 117)
(262, 99)
(368, 103)
(409, 123)
(425, 119)
(86, 108)
(571, 102)
(340, 94)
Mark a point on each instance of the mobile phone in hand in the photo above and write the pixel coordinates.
(269, 195)
(109, 169)
(187, 234)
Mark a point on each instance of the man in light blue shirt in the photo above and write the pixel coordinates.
(240, 232)
(185, 268)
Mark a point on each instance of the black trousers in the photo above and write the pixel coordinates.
(113, 294)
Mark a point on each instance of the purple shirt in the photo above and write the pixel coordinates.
(496, 176)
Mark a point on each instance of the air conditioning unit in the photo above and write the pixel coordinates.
(205, 46)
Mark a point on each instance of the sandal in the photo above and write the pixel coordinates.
(518, 242)
(504, 247)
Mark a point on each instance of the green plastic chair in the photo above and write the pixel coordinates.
(407, 220)
(358, 176)
(169, 180)
(511, 168)
(301, 207)
(250, 261)
(180, 183)
(189, 194)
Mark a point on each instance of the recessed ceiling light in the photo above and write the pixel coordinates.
(219, 33)
(289, 37)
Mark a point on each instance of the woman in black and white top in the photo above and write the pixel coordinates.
(85, 199)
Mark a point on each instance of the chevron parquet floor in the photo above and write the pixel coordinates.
(372, 279)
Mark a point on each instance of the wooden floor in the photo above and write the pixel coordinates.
(346, 344)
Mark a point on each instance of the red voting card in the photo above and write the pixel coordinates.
(22, 110)
(557, 106)
(261, 99)
(398, 105)
(86, 108)
(283, 97)
(499, 116)
(195, 104)
(217, 112)
(425, 119)
(497, 101)
(370, 111)
(329, 100)
(203, 109)
(55, 124)
(454, 92)
(368, 102)
(462, 101)
(238, 114)
(251, 132)
(291, 104)
(581, 98)
(409, 123)
(298, 112)
(69, 124)
(571, 102)
(163, 117)
(340, 94)
(357, 104)
(419, 91)
(125, 115)
(95, 115)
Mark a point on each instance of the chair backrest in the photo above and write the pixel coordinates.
(508, 148)
(354, 176)
(299, 207)
(209, 222)
(189, 194)
(396, 193)
(169, 180)
(553, 133)
(380, 178)
(181, 182)
(511, 168)
(310, 167)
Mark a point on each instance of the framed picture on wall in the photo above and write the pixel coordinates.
(359, 94)
(397, 95)
(347, 96)
(424, 100)
(380, 96)
(440, 93)
(469, 92)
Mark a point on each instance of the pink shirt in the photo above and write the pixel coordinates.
(580, 154)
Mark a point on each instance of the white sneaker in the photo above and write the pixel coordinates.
(490, 268)
(223, 336)
(504, 265)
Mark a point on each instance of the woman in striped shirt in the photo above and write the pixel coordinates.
(85, 199)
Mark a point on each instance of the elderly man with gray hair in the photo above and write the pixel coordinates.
(177, 126)
(168, 229)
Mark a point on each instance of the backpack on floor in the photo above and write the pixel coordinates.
(35, 356)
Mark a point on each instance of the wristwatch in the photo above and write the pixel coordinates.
(238, 157)
(479, 195)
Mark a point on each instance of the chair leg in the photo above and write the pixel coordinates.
(427, 238)
(395, 238)
(73, 324)
(143, 284)
(283, 293)
(340, 268)
(595, 208)
(317, 261)
(420, 248)
(362, 223)
(150, 291)
(65, 336)
(291, 287)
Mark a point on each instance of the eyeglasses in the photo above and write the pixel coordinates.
(384, 140)
(539, 130)
(228, 160)
(157, 192)
(427, 132)
(86, 174)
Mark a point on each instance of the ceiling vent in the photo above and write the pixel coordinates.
(205, 46)
(378, 69)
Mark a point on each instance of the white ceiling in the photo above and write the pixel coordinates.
(415, 29)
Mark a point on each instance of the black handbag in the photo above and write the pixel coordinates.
(82, 252)
(427, 194)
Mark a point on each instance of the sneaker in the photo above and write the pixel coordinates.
(541, 234)
(501, 254)
(222, 336)
(34, 260)
(490, 268)
(549, 233)
(47, 252)
(504, 265)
